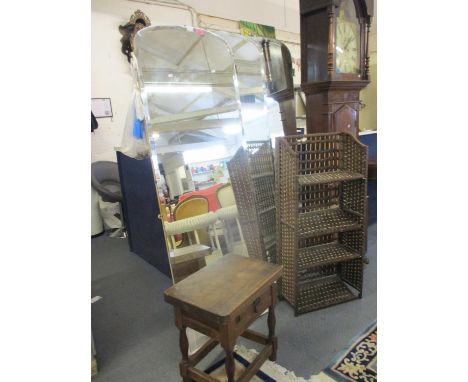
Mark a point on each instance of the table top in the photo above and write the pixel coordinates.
(223, 286)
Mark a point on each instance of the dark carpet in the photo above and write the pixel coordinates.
(136, 339)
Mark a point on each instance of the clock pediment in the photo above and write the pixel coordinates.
(344, 120)
(347, 108)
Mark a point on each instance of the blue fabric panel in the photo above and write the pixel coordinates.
(371, 141)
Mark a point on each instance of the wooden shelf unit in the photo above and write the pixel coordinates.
(321, 182)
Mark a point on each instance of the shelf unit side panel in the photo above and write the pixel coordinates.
(354, 155)
(245, 201)
(353, 240)
(287, 217)
(261, 174)
(353, 198)
(288, 249)
(352, 272)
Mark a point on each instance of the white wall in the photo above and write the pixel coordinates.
(110, 71)
(110, 74)
(268, 12)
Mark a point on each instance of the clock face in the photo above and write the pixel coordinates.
(347, 40)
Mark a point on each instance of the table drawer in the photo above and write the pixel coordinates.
(252, 311)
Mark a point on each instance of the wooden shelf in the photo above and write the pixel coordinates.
(262, 174)
(269, 241)
(326, 292)
(327, 177)
(320, 255)
(266, 209)
(327, 221)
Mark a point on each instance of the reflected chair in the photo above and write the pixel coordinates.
(188, 259)
(194, 206)
(228, 215)
(190, 207)
(225, 196)
(194, 221)
(106, 181)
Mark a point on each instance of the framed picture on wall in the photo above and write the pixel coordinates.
(101, 107)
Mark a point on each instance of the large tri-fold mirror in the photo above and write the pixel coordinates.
(211, 121)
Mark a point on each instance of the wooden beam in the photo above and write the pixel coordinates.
(199, 376)
(255, 336)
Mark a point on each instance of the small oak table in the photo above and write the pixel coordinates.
(221, 301)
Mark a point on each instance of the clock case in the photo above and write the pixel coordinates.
(332, 98)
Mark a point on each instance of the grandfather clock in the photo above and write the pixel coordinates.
(335, 62)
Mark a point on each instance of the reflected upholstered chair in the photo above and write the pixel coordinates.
(229, 215)
(190, 207)
(225, 196)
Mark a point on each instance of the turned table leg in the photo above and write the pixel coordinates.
(183, 343)
(184, 346)
(230, 365)
(271, 324)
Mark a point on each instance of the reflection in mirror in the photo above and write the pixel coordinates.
(210, 124)
(253, 179)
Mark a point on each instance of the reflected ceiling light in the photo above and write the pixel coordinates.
(339, 49)
(177, 89)
(270, 101)
(205, 154)
(155, 135)
(232, 129)
(251, 114)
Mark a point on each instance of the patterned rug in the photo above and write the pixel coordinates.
(269, 372)
(358, 363)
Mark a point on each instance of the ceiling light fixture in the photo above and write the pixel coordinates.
(232, 129)
(205, 154)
